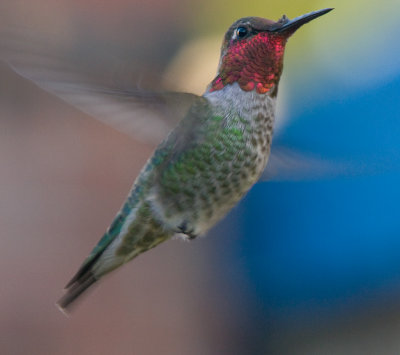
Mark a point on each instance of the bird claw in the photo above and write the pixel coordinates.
(185, 229)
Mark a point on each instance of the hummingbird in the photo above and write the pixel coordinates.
(208, 162)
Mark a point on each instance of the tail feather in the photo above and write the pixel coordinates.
(107, 255)
(74, 289)
(84, 269)
(85, 277)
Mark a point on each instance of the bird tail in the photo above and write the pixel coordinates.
(74, 289)
(82, 280)
(103, 259)
(86, 277)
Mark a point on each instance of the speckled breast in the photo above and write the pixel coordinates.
(210, 178)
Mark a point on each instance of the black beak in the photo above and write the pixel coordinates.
(286, 26)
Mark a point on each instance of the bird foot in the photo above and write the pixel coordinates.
(185, 229)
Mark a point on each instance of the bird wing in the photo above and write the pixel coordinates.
(143, 114)
(286, 164)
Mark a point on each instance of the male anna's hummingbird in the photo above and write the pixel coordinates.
(210, 159)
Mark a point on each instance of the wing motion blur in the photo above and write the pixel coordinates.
(143, 114)
(286, 164)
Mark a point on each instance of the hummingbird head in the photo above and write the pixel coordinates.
(252, 52)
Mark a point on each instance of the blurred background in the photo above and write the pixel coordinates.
(298, 267)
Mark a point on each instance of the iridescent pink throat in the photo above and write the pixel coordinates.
(254, 64)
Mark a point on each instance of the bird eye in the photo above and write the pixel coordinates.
(241, 32)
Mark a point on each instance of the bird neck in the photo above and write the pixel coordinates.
(232, 100)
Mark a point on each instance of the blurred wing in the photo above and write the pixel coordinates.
(285, 164)
(145, 115)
